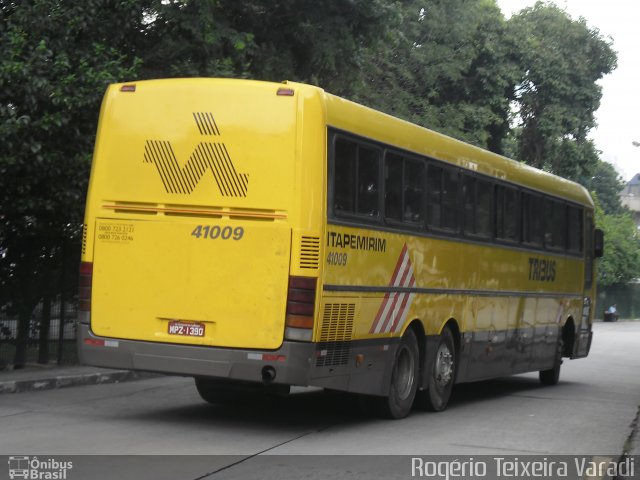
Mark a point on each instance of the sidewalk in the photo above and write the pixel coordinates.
(44, 377)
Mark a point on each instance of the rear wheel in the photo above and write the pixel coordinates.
(552, 376)
(441, 376)
(404, 381)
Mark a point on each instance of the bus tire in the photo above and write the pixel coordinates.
(404, 379)
(552, 376)
(442, 376)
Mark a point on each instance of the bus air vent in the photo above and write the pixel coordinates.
(310, 252)
(335, 334)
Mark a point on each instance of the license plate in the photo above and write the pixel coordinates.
(187, 329)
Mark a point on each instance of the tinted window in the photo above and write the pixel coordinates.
(483, 208)
(468, 202)
(532, 224)
(574, 230)
(449, 199)
(367, 181)
(477, 202)
(344, 176)
(555, 224)
(452, 200)
(434, 196)
(393, 186)
(356, 178)
(413, 191)
(507, 214)
(442, 194)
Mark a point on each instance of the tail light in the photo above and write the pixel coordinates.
(301, 300)
(84, 293)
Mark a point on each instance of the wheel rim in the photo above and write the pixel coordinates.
(404, 373)
(444, 366)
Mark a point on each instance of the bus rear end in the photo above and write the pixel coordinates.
(188, 235)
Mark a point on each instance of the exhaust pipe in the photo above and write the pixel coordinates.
(268, 374)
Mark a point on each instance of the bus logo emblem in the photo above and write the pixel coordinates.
(207, 155)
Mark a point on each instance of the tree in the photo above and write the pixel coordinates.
(58, 57)
(557, 95)
(621, 261)
(606, 183)
(315, 42)
(190, 39)
(448, 66)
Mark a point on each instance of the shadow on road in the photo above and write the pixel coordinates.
(470, 393)
(315, 409)
(312, 409)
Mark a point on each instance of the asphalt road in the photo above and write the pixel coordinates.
(590, 412)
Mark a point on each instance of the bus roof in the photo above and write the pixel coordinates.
(372, 124)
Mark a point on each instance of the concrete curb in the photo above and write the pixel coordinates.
(64, 381)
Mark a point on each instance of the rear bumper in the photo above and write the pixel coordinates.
(292, 361)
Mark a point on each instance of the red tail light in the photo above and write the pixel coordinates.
(84, 293)
(301, 300)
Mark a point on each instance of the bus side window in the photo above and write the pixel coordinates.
(434, 194)
(356, 178)
(555, 224)
(413, 191)
(468, 204)
(442, 195)
(368, 178)
(477, 201)
(574, 230)
(344, 180)
(507, 206)
(532, 224)
(450, 200)
(393, 186)
(484, 203)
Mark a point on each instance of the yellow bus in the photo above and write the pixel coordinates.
(259, 235)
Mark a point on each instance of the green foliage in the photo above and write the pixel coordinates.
(448, 66)
(190, 39)
(315, 42)
(621, 260)
(557, 95)
(58, 57)
(606, 184)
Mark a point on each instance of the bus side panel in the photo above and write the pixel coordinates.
(508, 314)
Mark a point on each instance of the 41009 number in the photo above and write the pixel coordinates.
(215, 232)
(338, 259)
